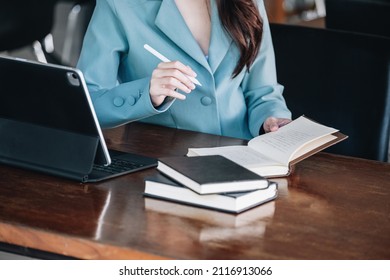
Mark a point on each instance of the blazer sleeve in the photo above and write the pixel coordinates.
(263, 94)
(105, 45)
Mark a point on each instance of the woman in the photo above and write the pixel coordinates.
(225, 44)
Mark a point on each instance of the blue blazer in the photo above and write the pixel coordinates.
(118, 69)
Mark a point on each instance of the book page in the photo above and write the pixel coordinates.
(246, 157)
(285, 142)
(242, 155)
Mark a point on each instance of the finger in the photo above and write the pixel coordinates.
(274, 127)
(271, 124)
(180, 77)
(174, 94)
(283, 122)
(173, 83)
(179, 66)
(178, 70)
(160, 80)
(164, 90)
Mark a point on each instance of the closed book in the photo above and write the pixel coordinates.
(159, 186)
(210, 174)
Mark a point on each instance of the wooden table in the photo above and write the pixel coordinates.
(331, 207)
(275, 10)
(276, 14)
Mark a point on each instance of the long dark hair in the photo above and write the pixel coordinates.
(242, 21)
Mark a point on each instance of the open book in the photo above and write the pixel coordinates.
(272, 154)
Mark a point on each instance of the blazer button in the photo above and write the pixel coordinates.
(206, 101)
(131, 100)
(118, 101)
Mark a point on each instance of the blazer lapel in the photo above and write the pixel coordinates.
(220, 41)
(170, 21)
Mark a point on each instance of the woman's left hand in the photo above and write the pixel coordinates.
(273, 124)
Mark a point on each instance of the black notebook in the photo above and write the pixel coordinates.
(210, 174)
(48, 124)
(162, 187)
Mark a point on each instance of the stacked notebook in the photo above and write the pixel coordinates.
(213, 182)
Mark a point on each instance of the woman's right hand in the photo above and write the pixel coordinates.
(167, 78)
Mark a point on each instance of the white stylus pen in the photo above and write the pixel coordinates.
(164, 59)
